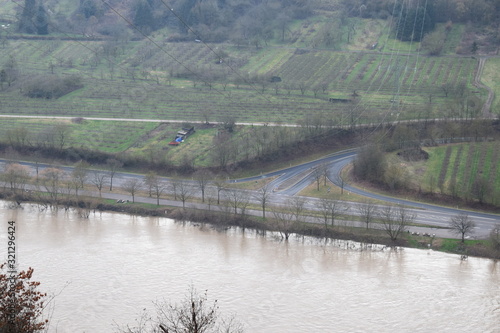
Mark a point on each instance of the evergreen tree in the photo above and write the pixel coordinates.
(26, 23)
(184, 10)
(42, 21)
(143, 18)
(89, 8)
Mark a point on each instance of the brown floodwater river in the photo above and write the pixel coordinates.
(107, 268)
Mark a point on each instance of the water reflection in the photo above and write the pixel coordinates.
(117, 264)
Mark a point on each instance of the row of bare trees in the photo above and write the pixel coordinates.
(57, 184)
(54, 181)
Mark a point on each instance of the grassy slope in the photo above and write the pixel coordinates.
(435, 162)
(491, 78)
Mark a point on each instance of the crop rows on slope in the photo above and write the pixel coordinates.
(456, 164)
(122, 94)
(460, 166)
(377, 72)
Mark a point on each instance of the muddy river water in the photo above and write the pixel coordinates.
(107, 268)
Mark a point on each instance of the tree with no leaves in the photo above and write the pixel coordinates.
(220, 185)
(149, 180)
(368, 212)
(184, 191)
(51, 180)
(112, 165)
(203, 178)
(395, 220)
(462, 225)
(237, 199)
(194, 314)
(495, 237)
(159, 187)
(317, 173)
(99, 179)
(155, 185)
(16, 175)
(262, 196)
(79, 175)
(132, 185)
(331, 210)
(283, 221)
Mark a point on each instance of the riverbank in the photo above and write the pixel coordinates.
(222, 219)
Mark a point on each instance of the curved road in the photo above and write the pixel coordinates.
(288, 182)
(302, 176)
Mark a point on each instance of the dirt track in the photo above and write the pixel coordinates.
(477, 82)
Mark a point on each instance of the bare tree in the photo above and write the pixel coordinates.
(149, 180)
(174, 187)
(194, 314)
(462, 225)
(331, 210)
(238, 200)
(283, 221)
(155, 186)
(223, 150)
(132, 185)
(18, 136)
(262, 196)
(368, 211)
(159, 186)
(495, 237)
(302, 87)
(481, 189)
(184, 192)
(296, 205)
(36, 157)
(323, 167)
(203, 178)
(211, 196)
(317, 174)
(60, 134)
(112, 165)
(395, 220)
(79, 175)
(51, 180)
(16, 175)
(99, 178)
(220, 185)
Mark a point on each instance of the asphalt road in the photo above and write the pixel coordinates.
(288, 182)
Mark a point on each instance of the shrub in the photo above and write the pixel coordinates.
(49, 87)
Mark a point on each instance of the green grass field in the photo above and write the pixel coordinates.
(475, 161)
(491, 78)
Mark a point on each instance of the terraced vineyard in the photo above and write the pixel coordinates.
(182, 81)
(464, 166)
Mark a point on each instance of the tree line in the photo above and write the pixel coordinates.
(53, 187)
(484, 12)
(212, 20)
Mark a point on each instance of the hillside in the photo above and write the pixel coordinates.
(323, 65)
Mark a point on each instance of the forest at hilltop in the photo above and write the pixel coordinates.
(253, 22)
